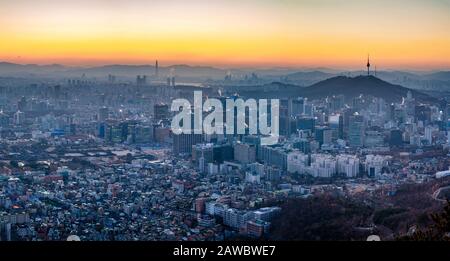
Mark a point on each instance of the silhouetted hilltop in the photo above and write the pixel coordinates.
(348, 86)
(367, 85)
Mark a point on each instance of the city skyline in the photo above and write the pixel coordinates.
(333, 34)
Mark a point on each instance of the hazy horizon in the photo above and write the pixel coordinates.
(238, 67)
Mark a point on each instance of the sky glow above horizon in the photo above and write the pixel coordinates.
(248, 33)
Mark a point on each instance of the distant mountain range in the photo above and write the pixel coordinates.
(347, 86)
(430, 81)
(127, 71)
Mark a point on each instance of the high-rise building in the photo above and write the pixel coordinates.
(356, 130)
(396, 138)
(410, 105)
(203, 150)
(348, 165)
(142, 134)
(223, 152)
(324, 135)
(335, 103)
(116, 132)
(373, 139)
(182, 143)
(19, 117)
(298, 107)
(103, 114)
(423, 113)
(285, 115)
(273, 155)
(336, 123)
(161, 111)
(244, 153)
(429, 134)
(297, 162)
(306, 123)
(22, 104)
(141, 80)
(446, 116)
(374, 164)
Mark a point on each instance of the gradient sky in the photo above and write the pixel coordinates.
(401, 34)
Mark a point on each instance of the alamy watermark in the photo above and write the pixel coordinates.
(190, 117)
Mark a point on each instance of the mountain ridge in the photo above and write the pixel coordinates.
(339, 85)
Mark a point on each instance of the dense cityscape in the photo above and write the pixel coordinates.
(89, 158)
(206, 128)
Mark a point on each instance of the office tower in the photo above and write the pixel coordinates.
(273, 155)
(19, 117)
(223, 152)
(423, 113)
(22, 104)
(380, 105)
(111, 78)
(323, 135)
(203, 151)
(252, 139)
(396, 138)
(306, 123)
(298, 107)
(336, 103)
(358, 103)
(245, 153)
(143, 134)
(57, 92)
(391, 111)
(356, 131)
(410, 104)
(373, 139)
(346, 120)
(4, 119)
(285, 108)
(429, 134)
(303, 145)
(309, 109)
(336, 123)
(161, 111)
(103, 114)
(141, 80)
(182, 143)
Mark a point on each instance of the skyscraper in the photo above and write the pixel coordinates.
(336, 123)
(323, 135)
(161, 111)
(356, 131)
(103, 114)
(182, 143)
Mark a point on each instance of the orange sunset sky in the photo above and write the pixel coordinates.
(331, 33)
